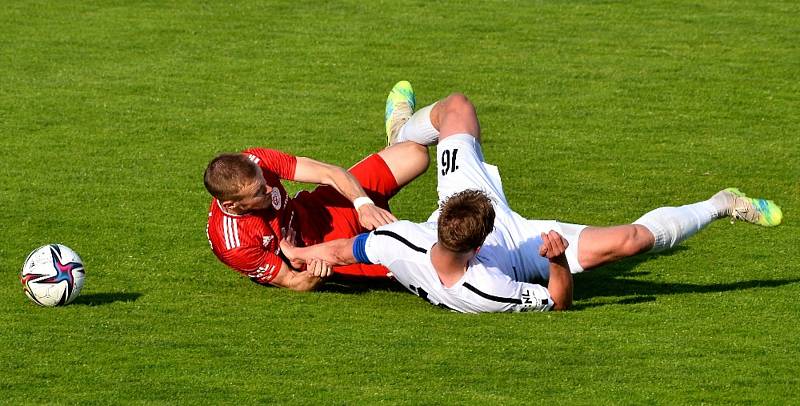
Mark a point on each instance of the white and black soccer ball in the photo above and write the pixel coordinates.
(52, 275)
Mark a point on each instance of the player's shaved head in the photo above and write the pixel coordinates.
(227, 174)
(465, 220)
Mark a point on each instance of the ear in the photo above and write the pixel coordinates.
(228, 205)
(472, 253)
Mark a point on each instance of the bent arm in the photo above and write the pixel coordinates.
(311, 171)
(560, 284)
(369, 215)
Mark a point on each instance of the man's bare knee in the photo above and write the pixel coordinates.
(457, 103)
(638, 239)
(456, 114)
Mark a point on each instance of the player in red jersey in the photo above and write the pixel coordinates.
(251, 211)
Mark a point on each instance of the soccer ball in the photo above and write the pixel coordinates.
(52, 275)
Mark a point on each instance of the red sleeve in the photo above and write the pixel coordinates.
(277, 162)
(254, 262)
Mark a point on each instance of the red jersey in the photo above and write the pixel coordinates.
(249, 243)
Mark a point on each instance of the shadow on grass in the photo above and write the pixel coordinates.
(610, 281)
(353, 285)
(362, 285)
(614, 280)
(100, 299)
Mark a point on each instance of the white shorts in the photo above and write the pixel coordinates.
(460, 166)
(570, 232)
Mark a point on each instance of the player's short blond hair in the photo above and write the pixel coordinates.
(466, 218)
(227, 174)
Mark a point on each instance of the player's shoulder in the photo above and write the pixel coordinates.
(416, 236)
(261, 150)
(235, 231)
(482, 272)
(260, 154)
(405, 226)
(278, 163)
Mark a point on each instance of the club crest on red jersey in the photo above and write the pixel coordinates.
(266, 240)
(276, 198)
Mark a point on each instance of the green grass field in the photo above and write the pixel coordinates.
(595, 112)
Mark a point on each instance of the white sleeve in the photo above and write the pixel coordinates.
(387, 243)
(495, 292)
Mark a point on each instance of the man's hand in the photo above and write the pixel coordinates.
(319, 268)
(371, 216)
(337, 252)
(553, 246)
(314, 266)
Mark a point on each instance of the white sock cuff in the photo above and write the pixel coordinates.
(659, 232)
(419, 128)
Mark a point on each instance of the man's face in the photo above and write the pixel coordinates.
(256, 195)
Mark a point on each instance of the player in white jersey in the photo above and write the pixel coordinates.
(472, 258)
(452, 272)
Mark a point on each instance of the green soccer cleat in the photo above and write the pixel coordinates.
(399, 108)
(752, 210)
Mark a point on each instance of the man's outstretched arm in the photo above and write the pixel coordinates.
(335, 253)
(369, 215)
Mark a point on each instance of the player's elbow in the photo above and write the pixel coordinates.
(328, 174)
(296, 281)
(304, 282)
(560, 285)
(562, 304)
(561, 297)
(304, 287)
(335, 174)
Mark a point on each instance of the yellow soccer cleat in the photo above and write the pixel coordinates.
(752, 210)
(399, 108)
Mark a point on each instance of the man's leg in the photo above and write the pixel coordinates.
(454, 114)
(666, 227)
(602, 245)
(406, 161)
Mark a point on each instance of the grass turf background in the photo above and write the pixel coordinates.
(595, 113)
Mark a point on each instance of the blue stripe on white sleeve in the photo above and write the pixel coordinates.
(360, 248)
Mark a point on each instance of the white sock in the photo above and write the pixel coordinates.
(723, 202)
(419, 128)
(671, 225)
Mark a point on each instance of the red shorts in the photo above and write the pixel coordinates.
(326, 215)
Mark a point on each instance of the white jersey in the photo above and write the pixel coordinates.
(490, 284)
(502, 277)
